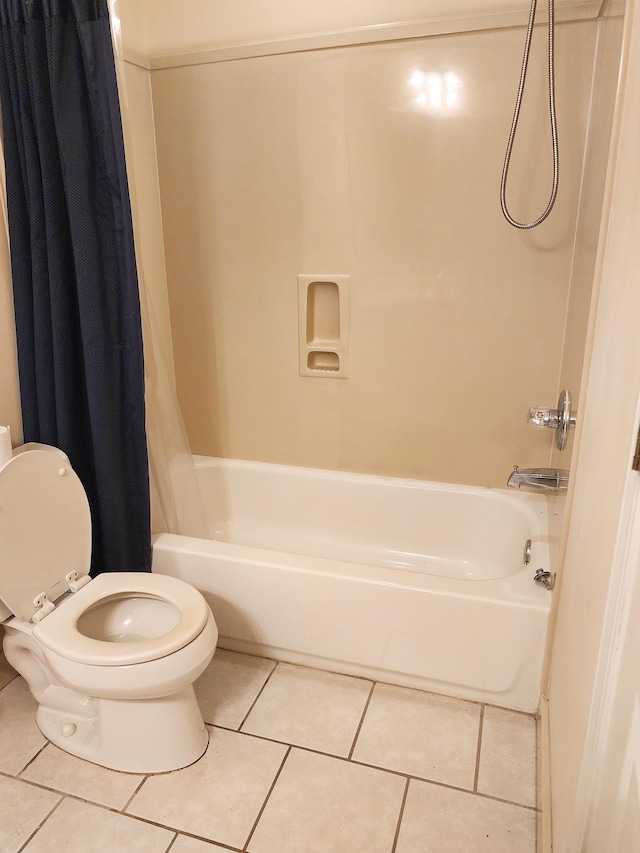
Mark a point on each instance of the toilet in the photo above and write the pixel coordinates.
(111, 660)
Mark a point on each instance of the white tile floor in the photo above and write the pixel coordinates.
(299, 761)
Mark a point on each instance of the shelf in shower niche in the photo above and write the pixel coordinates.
(323, 325)
(323, 313)
(323, 360)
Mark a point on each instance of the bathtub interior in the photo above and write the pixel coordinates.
(432, 528)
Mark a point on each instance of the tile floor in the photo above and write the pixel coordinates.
(299, 761)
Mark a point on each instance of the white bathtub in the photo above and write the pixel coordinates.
(413, 583)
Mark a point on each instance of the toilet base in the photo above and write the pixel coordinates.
(141, 736)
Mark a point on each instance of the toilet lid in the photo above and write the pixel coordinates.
(45, 528)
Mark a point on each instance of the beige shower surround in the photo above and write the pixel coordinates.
(321, 162)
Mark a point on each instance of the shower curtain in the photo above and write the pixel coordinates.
(73, 262)
(176, 502)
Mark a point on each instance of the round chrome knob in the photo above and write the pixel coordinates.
(541, 417)
(559, 419)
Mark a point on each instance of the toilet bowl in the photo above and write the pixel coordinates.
(111, 660)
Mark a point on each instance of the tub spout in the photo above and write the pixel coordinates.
(540, 479)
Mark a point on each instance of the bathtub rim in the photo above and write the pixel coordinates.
(514, 496)
(508, 590)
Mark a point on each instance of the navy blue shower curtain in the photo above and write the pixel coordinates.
(73, 263)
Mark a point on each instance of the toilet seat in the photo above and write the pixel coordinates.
(59, 630)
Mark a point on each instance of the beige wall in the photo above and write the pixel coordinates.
(132, 16)
(164, 26)
(323, 162)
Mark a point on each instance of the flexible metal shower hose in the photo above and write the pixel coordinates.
(516, 116)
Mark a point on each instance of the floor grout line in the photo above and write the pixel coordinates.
(171, 843)
(478, 750)
(42, 822)
(382, 769)
(123, 810)
(360, 724)
(400, 816)
(31, 760)
(137, 818)
(258, 695)
(266, 800)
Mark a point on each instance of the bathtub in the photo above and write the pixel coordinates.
(408, 582)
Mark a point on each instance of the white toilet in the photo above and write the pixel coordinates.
(110, 661)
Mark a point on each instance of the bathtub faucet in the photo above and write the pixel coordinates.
(540, 479)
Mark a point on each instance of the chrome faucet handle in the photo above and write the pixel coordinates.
(542, 417)
(561, 419)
